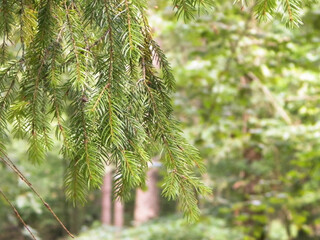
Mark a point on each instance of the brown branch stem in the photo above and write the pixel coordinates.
(17, 214)
(10, 164)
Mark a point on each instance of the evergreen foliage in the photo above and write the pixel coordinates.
(93, 69)
(289, 10)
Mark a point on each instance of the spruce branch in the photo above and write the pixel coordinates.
(292, 12)
(95, 71)
(265, 9)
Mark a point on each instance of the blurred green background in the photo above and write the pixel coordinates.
(248, 98)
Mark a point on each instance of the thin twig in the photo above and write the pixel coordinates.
(272, 99)
(17, 214)
(10, 164)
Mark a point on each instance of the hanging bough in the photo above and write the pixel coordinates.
(88, 65)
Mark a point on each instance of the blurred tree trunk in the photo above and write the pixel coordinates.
(106, 199)
(147, 204)
(74, 228)
(118, 213)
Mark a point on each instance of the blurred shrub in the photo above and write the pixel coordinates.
(208, 228)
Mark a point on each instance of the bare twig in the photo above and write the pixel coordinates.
(10, 164)
(302, 98)
(272, 99)
(17, 214)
